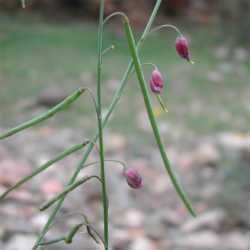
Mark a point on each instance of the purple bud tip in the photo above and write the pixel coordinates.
(133, 178)
(156, 81)
(182, 47)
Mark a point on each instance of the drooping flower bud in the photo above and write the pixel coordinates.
(182, 48)
(156, 81)
(133, 178)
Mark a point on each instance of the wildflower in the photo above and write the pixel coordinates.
(156, 81)
(133, 178)
(182, 48)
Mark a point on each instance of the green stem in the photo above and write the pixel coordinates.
(141, 79)
(94, 235)
(100, 129)
(111, 108)
(44, 167)
(76, 184)
(166, 26)
(105, 51)
(67, 190)
(46, 243)
(69, 238)
(59, 107)
(163, 106)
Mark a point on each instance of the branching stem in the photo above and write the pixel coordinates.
(111, 108)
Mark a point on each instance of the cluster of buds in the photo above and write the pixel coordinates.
(156, 84)
(156, 81)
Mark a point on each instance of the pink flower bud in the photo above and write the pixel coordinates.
(182, 47)
(156, 81)
(133, 178)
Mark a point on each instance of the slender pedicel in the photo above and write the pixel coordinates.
(118, 13)
(181, 44)
(105, 51)
(162, 104)
(173, 27)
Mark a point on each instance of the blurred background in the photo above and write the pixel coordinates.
(49, 49)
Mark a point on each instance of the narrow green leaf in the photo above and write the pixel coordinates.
(59, 107)
(46, 243)
(148, 105)
(69, 238)
(44, 167)
(67, 190)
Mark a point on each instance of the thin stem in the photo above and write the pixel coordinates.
(93, 235)
(90, 228)
(92, 97)
(163, 106)
(166, 26)
(59, 107)
(67, 190)
(111, 108)
(150, 64)
(46, 243)
(69, 238)
(105, 51)
(145, 93)
(97, 162)
(44, 167)
(100, 128)
(118, 13)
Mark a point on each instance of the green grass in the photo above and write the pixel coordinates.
(36, 54)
